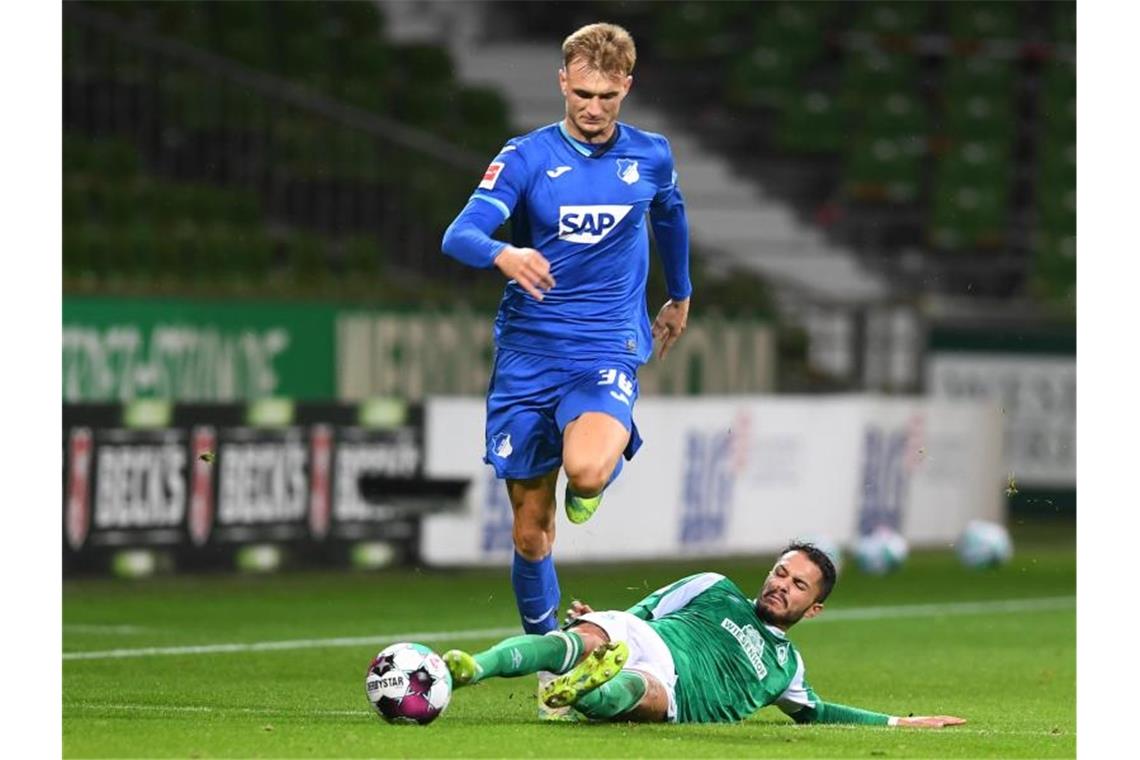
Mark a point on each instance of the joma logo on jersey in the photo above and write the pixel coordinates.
(588, 224)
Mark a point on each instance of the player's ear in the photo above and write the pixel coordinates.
(813, 610)
(562, 80)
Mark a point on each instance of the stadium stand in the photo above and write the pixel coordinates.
(305, 149)
(275, 147)
(935, 139)
(263, 147)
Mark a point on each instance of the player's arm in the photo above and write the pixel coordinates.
(468, 238)
(830, 712)
(827, 712)
(802, 705)
(671, 231)
(674, 596)
(662, 601)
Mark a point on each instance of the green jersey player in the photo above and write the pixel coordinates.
(696, 651)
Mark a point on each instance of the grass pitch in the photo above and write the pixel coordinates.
(143, 676)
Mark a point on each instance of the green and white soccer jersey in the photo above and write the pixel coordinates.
(729, 663)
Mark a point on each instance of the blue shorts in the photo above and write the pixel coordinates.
(533, 398)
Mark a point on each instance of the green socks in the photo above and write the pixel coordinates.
(619, 695)
(556, 652)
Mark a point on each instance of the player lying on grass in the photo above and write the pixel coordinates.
(696, 651)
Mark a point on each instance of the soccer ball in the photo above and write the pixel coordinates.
(984, 544)
(881, 551)
(408, 683)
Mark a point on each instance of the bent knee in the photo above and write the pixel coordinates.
(588, 478)
(653, 707)
(592, 635)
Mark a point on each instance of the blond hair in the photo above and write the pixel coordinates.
(607, 48)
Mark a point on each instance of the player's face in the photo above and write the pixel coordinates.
(790, 590)
(593, 100)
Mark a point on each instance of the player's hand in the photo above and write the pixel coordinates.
(670, 324)
(577, 609)
(931, 721)
(527, 267)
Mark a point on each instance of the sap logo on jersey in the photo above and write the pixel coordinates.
(588, 224)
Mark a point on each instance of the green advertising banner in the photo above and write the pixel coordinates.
(120, 349)
(415, 355)
(204, 351)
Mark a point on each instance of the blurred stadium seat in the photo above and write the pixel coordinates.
(943, 129)
(306, 149)
(184, 138)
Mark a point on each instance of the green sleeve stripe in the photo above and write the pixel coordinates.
(825, 712)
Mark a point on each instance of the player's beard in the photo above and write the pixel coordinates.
(771, 617)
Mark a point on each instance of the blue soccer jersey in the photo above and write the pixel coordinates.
(584, 207)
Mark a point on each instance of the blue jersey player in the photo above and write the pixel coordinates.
(572, 327)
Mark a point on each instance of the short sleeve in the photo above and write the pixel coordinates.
(505, 180)
(798, 695)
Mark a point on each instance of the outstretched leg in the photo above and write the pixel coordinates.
(600, 667)
(632, 695)
(638, 692)
(599, 688)
(556, 652)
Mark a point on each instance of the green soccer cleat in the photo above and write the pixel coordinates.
(463, 668)
(581, 508)
(600, 666)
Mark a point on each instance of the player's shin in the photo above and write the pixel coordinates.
(614, 698)
(519, 655)
(536, 593)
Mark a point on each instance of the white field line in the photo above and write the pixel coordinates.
(997, 607)
(271, 646)
(110, 629)
(366, 713)
(220, 710)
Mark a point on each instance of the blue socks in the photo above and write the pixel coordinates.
(536, 593)
(536, 586)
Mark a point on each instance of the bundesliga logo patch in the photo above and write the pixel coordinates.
(491, 176)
